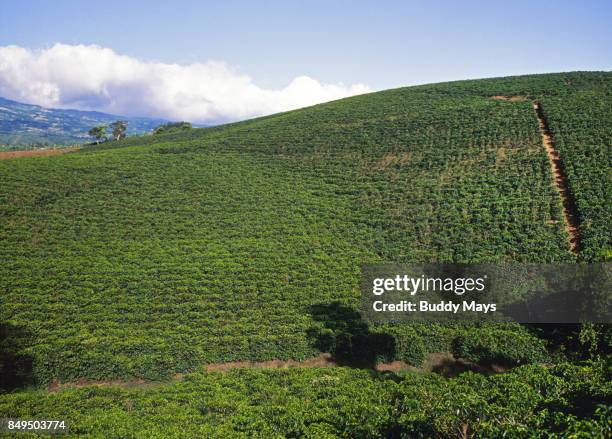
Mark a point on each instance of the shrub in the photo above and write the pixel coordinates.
(503, 346)
(408, 344)
(172, 127)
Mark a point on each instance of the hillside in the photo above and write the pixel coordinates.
(24, 124)
(157, 255)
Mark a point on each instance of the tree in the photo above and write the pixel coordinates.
(98, 132)
(172, 126)
(119, 128)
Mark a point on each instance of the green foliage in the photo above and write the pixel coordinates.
(529, 401)
(217, 241)
(152, 256)
(497, 345)
(119, 129)
(172, 127)
(408, 344)
(582, 128)
(99, 132)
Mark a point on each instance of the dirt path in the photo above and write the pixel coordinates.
(323, 360)
(569, 208)
(442, 363)
(5, 155)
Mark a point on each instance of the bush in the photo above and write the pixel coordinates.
(409, 346)
(502, 346)
(172, 127)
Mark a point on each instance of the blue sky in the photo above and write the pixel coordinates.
(380, 44)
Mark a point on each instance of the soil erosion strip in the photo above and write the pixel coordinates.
(570, 213)
(442, 363)
(5, 155)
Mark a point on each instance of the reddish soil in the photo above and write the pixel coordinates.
(391, 160)
(441, 363)
(509, 98)
(394, 366)
(570, 213)
(323, 360)
(5, 155)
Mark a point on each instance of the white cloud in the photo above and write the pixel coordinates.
(97, 78)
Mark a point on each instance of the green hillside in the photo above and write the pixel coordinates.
(244, 242)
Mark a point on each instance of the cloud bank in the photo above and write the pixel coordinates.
(90, 77)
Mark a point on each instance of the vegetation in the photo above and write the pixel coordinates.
(99, 133)
(494, 345)
(152, 256)
(337, 402)
(119, 128)
(23, 125)
(170, 127)
(582, 130)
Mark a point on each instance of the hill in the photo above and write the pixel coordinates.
(154, 256)
(24, 124)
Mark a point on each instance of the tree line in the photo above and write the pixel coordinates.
(118, 130)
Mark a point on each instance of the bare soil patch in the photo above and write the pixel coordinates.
(509, 98)
(5, 155)
(442, 363)
(394, 366)
(323, 360)
(389, 160)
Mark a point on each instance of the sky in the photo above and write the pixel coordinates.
(211, 62)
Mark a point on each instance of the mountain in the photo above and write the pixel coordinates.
(243, 245)
(25, 124)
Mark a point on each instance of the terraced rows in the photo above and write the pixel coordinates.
(165, 253)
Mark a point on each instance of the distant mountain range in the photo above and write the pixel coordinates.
(25, 124)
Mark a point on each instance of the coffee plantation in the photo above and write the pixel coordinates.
(155, 256)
